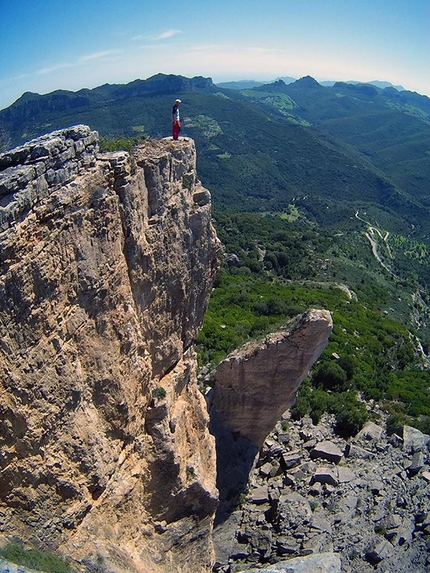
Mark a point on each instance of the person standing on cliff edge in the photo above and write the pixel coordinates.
(176, 123)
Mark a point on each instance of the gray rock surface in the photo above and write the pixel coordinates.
(370, 431)
(7, 567)
(369, 508)
(414, 440)
(327, 451)
(258, 382)
(321, 563)
(32, 172)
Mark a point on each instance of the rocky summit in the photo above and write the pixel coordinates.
(107, 263)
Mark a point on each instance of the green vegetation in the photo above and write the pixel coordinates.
(321, 199)
(159, 393)
(35, 559)
(276, 268)
(349, 412)
(120, 143)
(208, 126)
(191, 473)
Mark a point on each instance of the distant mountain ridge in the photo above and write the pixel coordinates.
(261, 148)
(376, 83)
(245, 84)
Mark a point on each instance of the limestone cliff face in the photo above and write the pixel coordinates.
(256, 384)
(107, 262)
(253, 387)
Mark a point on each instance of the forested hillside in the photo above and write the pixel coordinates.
(321, 197)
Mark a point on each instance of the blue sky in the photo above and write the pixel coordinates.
(72, 44)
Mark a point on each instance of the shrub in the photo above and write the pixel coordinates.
(350, 413)
(330, 376)
(35, 559)
(159, 393)
(347, 364)
(191, 473)
(120, 143)
(423, 424)
(319, 401)
(302, 405)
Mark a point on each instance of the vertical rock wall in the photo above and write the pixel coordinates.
(106, 264)
(253, 387)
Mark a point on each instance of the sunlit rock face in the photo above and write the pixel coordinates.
(107, 262)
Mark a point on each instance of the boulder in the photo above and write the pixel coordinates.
(328, 451)
(259, 495)
(326, 475)
(287, 546)
(376, 487)
(290, 460)
(315, 544)
(354, 451)
(379, 550)
(225, 540)
(405, 532)
(266, 469)
(320, 523)
(414, 440)
(345, 475)
(393, 521)
(417, 463)
(319, 563)
(294, 509)
(261, 542)
(370, 431)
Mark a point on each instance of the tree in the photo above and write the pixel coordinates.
(330, 376)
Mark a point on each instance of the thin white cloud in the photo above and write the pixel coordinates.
(53, 68)
(167, 34)
(151, 38)
(112, 55)
(99, 55)
(232, 49)
(87, 58)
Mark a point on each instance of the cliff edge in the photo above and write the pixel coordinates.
(107, 262)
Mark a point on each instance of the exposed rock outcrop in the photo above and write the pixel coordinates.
(106, 265)
(256, 384)
(253, 387)
(107, 262)
(321, 563)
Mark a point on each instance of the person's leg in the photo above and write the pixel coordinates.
(176, 129)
